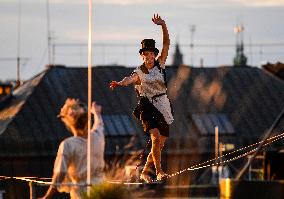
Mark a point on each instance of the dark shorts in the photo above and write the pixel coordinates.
(151, 117)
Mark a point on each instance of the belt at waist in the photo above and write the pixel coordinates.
(153, 97)
(157, 96)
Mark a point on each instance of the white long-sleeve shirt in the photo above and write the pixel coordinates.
(153, 84)
(71, 161)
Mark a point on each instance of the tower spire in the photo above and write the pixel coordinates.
(178, 56)
(240, 59)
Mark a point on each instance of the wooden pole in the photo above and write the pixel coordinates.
(216, 142)
(217, 152)
(32, 190)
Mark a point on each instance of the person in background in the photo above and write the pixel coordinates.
(71, 161)
(154, 109)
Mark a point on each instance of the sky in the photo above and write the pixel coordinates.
(120, 25)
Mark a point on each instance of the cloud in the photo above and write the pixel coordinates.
(118, 36)
(68, 2)
(109, 2)
(228, 3)
(130, 2)
(182, 3)
(103, 35)
(260, 3)
(167, 3)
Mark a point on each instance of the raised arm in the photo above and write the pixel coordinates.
(98, 120)
(125, 82)
(166, 40)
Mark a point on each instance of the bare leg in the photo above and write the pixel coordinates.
(154, 156)
(154, 133)
(149, 161)
(161, 175)
(155, 150)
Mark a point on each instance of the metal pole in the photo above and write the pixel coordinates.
(250, 172)
(89, 98)
(19, 43)
(192, 30)
(48, 33)
(221, 165)
(53, 55)
(18, 71)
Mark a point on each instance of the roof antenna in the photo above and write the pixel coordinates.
(48, 33)
(192, 31)
(18, 81)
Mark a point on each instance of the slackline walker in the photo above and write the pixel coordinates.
(154, 108)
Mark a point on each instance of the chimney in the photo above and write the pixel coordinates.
(5, 89)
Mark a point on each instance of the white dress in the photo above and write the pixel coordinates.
(153, 84)
(71, 160)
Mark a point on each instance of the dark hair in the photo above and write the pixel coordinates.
(81, 121)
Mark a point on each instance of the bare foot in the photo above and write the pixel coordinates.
(146, 178)
(162, 176)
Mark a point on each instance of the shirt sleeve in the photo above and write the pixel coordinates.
(162, 65)
(137, 71)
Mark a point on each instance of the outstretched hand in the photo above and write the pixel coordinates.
(158, 20)
(113, 85)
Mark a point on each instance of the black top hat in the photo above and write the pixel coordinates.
(148, 45)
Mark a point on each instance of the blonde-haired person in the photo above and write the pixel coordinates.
(154, 108)
(70, 165)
